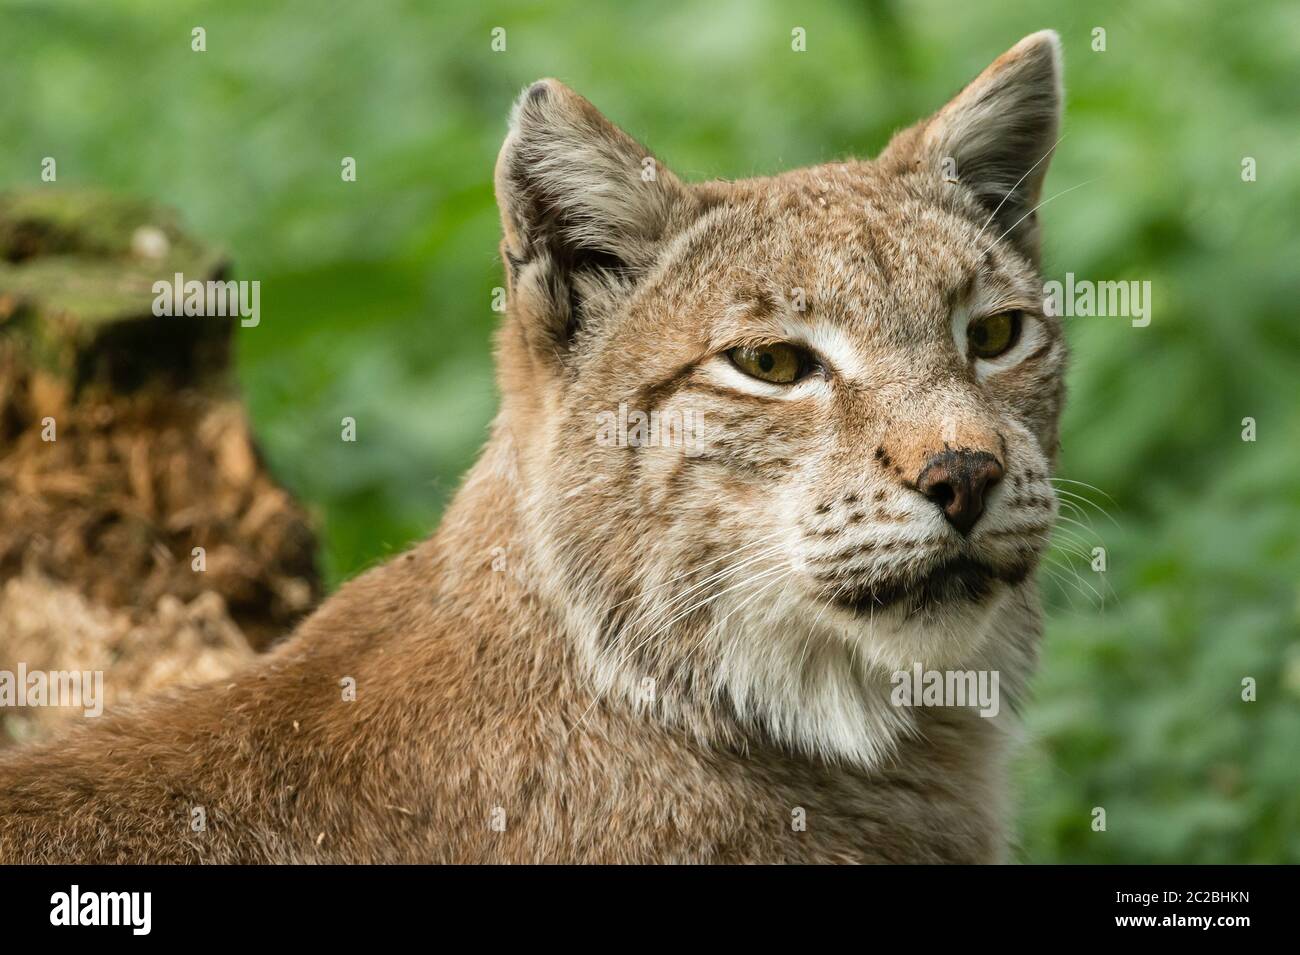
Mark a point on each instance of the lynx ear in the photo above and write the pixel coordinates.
(583, 209)
(996, 136)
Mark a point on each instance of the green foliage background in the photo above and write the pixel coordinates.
(376, 299)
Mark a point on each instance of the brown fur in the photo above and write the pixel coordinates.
(502, 667)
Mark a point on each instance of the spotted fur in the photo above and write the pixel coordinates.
(653, 652)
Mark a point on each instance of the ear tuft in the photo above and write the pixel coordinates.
(997, 135)
(580, 200)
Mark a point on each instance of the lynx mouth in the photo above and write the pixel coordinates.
(958, 580)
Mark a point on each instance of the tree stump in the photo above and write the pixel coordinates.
(139, 526)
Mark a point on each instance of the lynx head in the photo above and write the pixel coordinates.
(783, 436)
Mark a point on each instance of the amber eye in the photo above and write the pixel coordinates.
(778, 363)
(993, 335)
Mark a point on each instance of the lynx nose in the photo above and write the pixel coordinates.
(956, 481)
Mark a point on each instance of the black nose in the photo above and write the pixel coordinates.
(956, 481)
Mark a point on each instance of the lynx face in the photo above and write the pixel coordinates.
(783, 436)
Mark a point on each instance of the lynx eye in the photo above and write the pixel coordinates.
(993, 335)
(779, 363)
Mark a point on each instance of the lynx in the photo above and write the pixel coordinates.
(634, 651)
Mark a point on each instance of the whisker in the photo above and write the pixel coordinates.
(628, 653)
(691, 609)
(696, 569)
(1084, 527)
(1032, 211)
(1088, 501)
(1091, 487)
(1049, 152)
(1086, 558)
(1076, 509)
(717, 625)
(720, 575)
(1071, 548)
(1078, 583)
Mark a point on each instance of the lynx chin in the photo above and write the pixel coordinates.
(695, 639)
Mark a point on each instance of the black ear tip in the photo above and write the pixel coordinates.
(535, 103)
